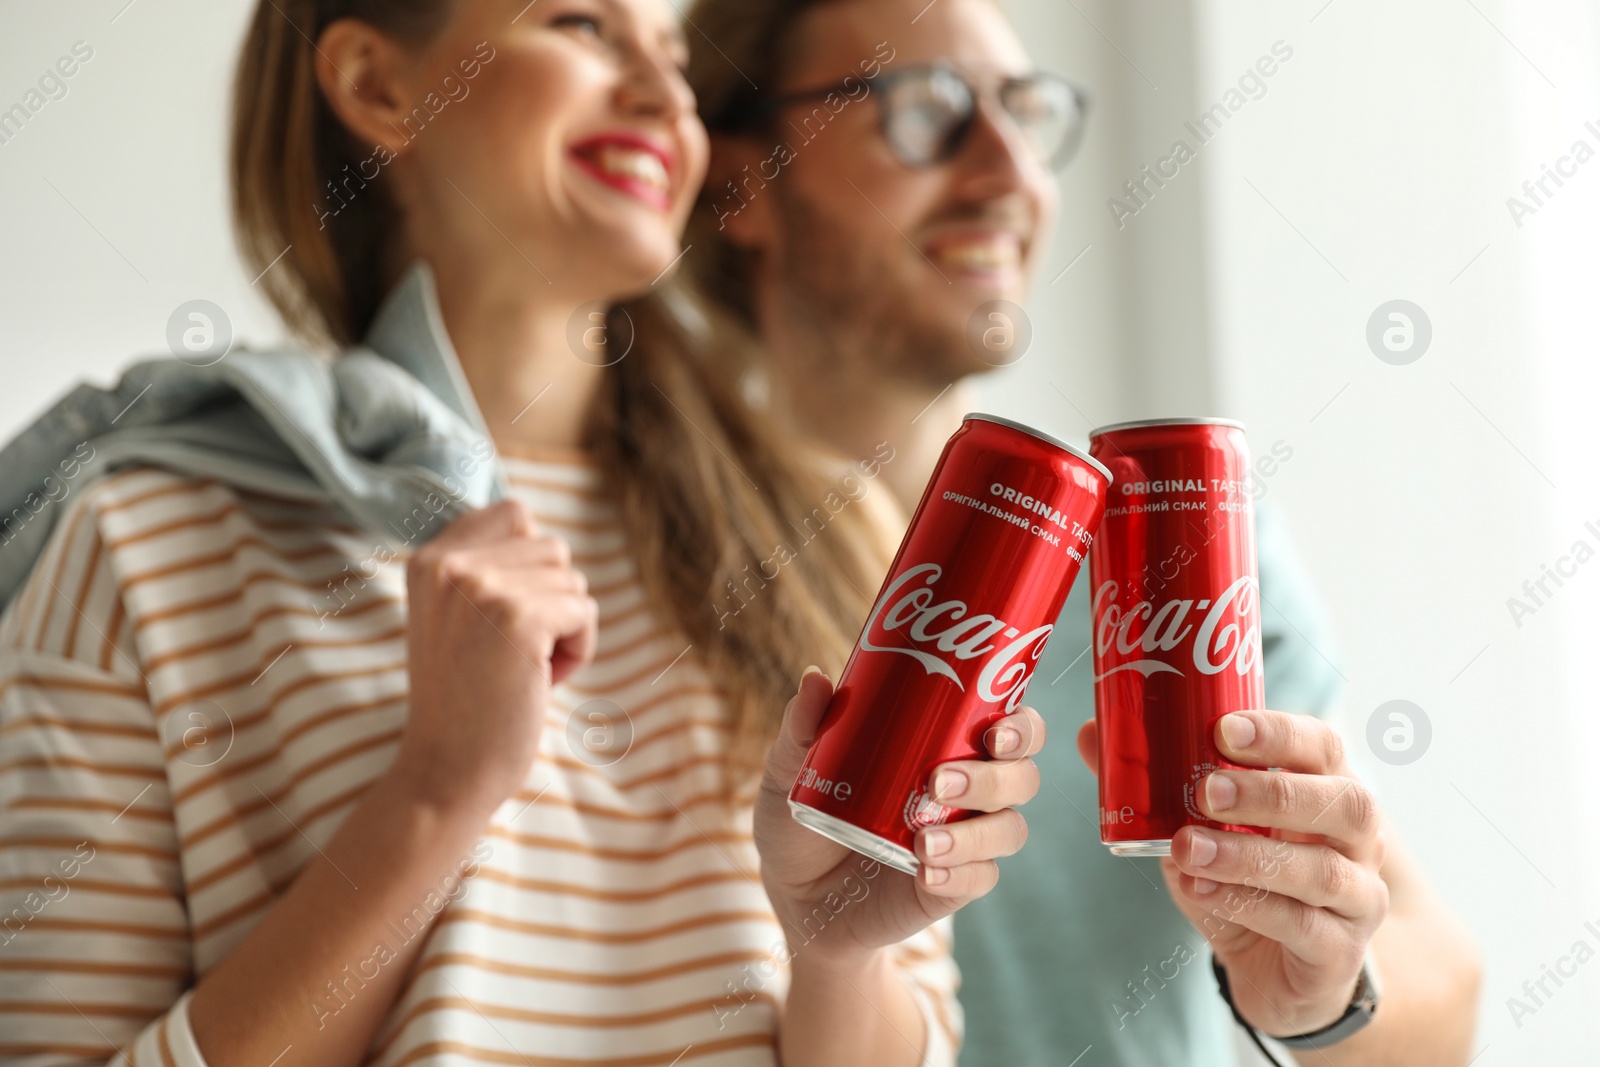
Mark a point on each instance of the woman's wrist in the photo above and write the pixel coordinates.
(427, 798)
(439, 793)
(819, 961)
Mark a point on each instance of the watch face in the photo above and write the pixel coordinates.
(1367, 993)
(1370, 978)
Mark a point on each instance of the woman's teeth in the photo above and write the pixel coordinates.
(643, 167)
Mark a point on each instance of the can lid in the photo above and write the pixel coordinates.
(1142, 423)
(1048, 439)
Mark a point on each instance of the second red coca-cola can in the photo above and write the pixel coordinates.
(1177, 621)
(953, 638)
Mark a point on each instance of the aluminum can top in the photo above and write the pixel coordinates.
(1001, 420)
(1139, 424)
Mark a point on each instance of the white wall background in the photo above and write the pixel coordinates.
(1375, 167)
(113, 198)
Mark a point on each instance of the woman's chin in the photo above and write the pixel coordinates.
(639, 241)
(636, 263)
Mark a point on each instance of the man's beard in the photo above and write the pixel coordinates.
(861, 318)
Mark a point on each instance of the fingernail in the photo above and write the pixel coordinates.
(1202, 849)
(1006, 740)
(936, 842)
(936, 875)
(1202, 886)
(949, 784)
(1221, 792)
(1239, 731)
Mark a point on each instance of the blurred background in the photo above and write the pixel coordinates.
(1440, 460)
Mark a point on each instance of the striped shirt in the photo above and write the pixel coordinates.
(197, 685)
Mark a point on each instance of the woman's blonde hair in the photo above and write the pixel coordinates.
(714, 504)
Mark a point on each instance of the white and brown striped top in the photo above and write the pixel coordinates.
(196, 686)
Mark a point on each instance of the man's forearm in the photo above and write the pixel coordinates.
(1428, 1011)
(1429, 975)
(839, 1015)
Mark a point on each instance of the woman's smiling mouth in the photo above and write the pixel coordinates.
(630, 164)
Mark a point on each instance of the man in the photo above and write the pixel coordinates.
(853, 228)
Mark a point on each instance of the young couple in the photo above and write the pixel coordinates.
(364, 740)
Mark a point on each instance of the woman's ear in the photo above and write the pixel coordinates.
(738, 185)
(361, 72)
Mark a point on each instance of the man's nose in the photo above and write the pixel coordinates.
(997, 159)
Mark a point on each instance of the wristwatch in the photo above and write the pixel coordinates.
(1363, 1005)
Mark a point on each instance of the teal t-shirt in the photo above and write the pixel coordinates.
(1073, 948)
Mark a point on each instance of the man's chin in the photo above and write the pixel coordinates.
(978, 286)
(937, 353)
(974, 366)
(989, 329)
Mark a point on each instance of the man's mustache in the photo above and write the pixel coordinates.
(1019, 219)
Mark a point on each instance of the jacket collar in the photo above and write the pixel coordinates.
(409, 331)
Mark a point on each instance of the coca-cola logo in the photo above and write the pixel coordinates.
(903, 622)
(922, 810)
(1227, 636)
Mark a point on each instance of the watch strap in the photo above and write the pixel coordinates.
(1363, 1005)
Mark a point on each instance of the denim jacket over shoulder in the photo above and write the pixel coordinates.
(381, 430)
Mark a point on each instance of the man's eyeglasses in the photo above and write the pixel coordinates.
(928, 111)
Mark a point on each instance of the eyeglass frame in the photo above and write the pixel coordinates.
(758, 110)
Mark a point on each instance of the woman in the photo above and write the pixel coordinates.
(514, 794)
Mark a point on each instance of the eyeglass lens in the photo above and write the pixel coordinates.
(929, 113)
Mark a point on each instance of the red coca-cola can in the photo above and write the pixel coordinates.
(954, 636)
(1177, 621)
